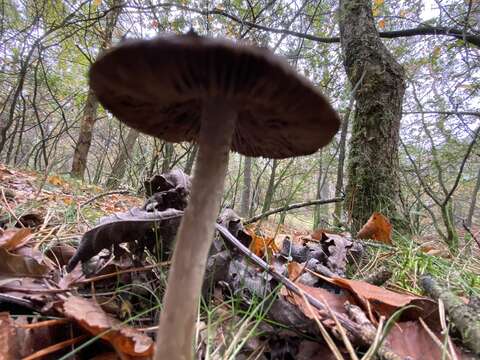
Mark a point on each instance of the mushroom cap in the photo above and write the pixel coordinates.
(158, 87)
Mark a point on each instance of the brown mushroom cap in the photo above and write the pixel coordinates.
(158, 86)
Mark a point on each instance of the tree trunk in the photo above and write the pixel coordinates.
(373, 157)
(167, 159)
(120, 163)
(84, 141)
(473, 202)
(87, 123)
(317, 210)
(449, 223)
(247, 181)
(340, 167)
(271, 187)
(191, 159)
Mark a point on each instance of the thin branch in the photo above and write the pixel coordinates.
(291, 207)
(420, 30)
(96, 197)
(468, 113)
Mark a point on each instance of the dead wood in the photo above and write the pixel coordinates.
(466, 320)
(291, 207)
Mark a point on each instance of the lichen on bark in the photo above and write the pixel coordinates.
(373, 159)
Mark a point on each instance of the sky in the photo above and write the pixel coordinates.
(430, 10)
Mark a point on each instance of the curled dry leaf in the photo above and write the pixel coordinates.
(18, 265)
(383, 301)
(334, 301)
(261, 245)
(14, 238)
(92, 318)
(123, 227)
(377, 228)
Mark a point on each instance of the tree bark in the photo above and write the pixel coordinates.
(317, 210)
(82, 147)
(87, 123)
(167, 159)
(191, 159)
(473, 202)
(373, 157)
(247, 181)
(341, 165)
(120, 163)
(271, 187)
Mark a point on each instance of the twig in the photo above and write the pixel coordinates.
(355, 330)
(106, 276)
(346, 323)
(9, 209)
(291, 207)
(40, 354)
(44, 323)
(470, 232)
(96, 197)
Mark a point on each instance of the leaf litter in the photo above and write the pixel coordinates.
(316, 262)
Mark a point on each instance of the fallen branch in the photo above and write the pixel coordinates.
(355, 331)
(291, 207)
(470, 232)
(463, 316)
(96, 197)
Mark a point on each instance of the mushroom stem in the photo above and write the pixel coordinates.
(195, 235)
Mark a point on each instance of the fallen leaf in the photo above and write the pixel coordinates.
(294, 270)
(122, 227)
(18, 265)
(335, 302)
(261, 245)
(92, 318)
(410, 339)
(55, 180)
(381, 24)
(14, 238)
(384, 301)
(9, 349)
(71, 277)
(60, 254)
(377, 228)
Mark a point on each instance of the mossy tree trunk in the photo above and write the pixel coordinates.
(373, 157)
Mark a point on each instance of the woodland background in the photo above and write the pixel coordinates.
(404, 76)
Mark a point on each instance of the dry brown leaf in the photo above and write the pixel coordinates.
(92, 318)
(18, 265)
(383, 301)
(260, 244)
(8, 338)
(410, 339)
(377, 228)
(13, 238)
(334, 301)
(294, 270)
(60, 254)
(56, 180)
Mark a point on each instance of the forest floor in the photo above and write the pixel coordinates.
(60, 210)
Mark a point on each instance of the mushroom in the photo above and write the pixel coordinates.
(223, 95)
